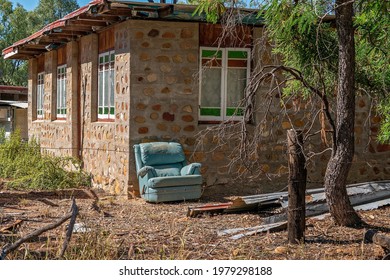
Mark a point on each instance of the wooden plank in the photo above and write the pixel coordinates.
(61, 55)
(107, 40)
(41, 63)
(194, 211)
(209, 35)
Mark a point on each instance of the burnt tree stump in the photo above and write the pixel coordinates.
(296, 187)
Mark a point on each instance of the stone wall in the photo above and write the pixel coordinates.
(105, 144)
(164, 88)
(58, 137)
(156, 99)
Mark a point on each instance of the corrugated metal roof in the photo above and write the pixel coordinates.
(13, 89)
(100, 14)
(19, 104)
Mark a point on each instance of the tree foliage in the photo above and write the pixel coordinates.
(13, 27)
(333, 50)
(48, 11)
(17, 23)
(304, 34)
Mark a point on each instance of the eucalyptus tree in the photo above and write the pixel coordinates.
(13, 27)
(332, 50)
(17, 23)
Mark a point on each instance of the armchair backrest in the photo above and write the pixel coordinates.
(161, 153)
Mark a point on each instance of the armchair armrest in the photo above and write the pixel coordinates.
(191, 169)
(147, 170)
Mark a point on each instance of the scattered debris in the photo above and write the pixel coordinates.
(372, 236)
(281, 250)
(252, 230)
(48, 202)
(12, 247)
(211, 208)
(80, 228)
(12, 227)
(365, 196)
(75, 211)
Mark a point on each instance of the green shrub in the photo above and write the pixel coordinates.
(27, 168)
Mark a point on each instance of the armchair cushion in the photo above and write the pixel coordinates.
(172, 181)
(161, 153)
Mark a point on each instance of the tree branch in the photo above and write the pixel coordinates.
(12, 247)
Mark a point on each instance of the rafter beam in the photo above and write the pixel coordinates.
(88, 22)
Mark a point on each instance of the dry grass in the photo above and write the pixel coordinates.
(134, 229)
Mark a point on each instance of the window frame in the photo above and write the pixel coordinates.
(40, 93)
(61, 108)
(106, 110)
(224, 73)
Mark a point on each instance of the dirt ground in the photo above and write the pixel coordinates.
(114, 228)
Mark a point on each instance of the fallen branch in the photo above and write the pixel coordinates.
(74, 210)
(12, 247)
(11, 228)
(48, 202)
(372, 236)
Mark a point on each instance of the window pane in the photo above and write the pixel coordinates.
(210, 90)
(211, 53)
(58, 93)
(112, 103)
(64, 93)
(100, 89)
(236, 83)
(106, 89)
(238, 54)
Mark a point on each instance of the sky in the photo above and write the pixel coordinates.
(31, 4)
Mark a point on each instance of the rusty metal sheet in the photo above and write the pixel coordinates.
(194, 211)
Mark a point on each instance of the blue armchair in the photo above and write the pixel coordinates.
(163, 173)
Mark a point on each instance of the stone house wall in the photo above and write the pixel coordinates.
(156, 99)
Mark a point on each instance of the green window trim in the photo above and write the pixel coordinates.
(106, 93)
(238, 54)
(232, 111)
(210, 112)
(211, 54)
(231, 58)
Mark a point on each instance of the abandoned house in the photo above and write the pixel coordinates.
(117, 73)
(13, 110)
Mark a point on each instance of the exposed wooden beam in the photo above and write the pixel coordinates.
(119, 12)
(34, 46)
(71, 32)
(67, 37)
(22, 51)
(108, 18)
(88, 22)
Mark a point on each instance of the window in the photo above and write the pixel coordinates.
(106, 109)
(40, 94)
(61, 92)
(224, 76)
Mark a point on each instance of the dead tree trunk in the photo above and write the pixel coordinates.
(343, 147)
(296, 187)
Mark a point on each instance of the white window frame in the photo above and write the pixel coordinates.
(61, 108)
(223, 116)
(106, 101)
(40, 94)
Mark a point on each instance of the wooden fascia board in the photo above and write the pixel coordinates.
(88, 23)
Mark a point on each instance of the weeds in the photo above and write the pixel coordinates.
(28, 168)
